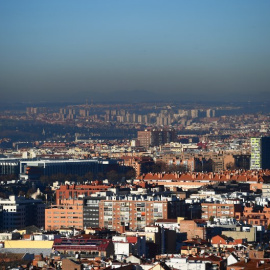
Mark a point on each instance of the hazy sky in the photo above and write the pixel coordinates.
(73, 50)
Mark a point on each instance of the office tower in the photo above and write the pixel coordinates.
(156, 137)
(144, 137)
(260, 153)
(162, 136)
(255, 161)
(242, 161)
(210, 113)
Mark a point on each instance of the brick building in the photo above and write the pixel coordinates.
(117, 215)
(193, 228)
(132, 213)
(222, 210)
(68, 214)
(91, 247)
(224, 241)
(144, 137)
(66, 192)
(256, 217)
(156, 137)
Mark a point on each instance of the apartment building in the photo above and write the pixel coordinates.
(145, 138)
(68, 214)
(19, 212)
(136, 212)
(155, 137)
(66, 192)
(91, 211)
(222, 210)
(260, 153)
(257, 217)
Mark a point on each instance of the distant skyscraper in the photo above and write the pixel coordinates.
(210, 113)
(155, 137)
(144, 137)
(194, 113)
(260, 153)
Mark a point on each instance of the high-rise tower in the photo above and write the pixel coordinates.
(260, 153)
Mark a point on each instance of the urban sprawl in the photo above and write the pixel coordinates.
(135, 187)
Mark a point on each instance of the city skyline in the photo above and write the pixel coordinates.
(134, 51)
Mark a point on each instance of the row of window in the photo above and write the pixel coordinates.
(63, 221)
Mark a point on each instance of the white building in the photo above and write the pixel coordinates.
(19, 212)
(184, 264)
(124, 246)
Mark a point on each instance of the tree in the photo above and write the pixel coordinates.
(44, 179)
(182, 168)
(130, 174)
(230, 166)
(3, 195)
(30, 192)
(211, 219)
(7, 177)
(113, 177)
(177, 168)
(80, 179)
(89, 176)
(100, 176)
(41, 197)
(21, 193)
(159, 167)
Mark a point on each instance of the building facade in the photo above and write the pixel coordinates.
(9, 166)
(221, 210)
(156, 137)
(38, 168)
(255, 161)
(260, 153)
(19, 212)
(68, 214)
(91, 211)
(122, 213)
(66, 192)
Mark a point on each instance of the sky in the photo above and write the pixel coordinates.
(134, 50)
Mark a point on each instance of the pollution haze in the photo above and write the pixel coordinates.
(134, 51)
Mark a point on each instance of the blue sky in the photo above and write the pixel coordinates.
(201, 50)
